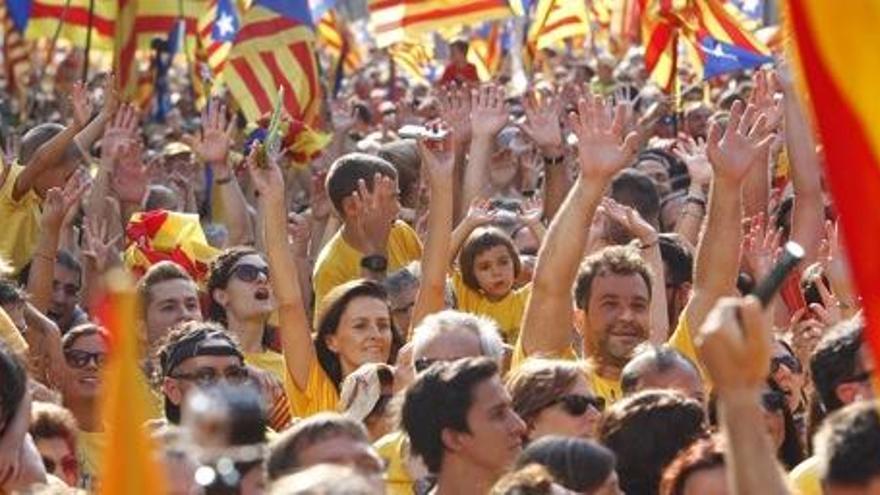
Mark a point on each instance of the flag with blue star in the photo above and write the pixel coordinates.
(225, 22)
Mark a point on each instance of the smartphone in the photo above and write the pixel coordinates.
(410, 131)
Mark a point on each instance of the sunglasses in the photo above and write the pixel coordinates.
(250, 273)
(786, 360)
(78, 359)
(577, 404)
(773, 400)
(209, 376)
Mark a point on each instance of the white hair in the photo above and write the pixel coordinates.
(484, 328)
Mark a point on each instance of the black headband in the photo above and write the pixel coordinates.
(201, 343)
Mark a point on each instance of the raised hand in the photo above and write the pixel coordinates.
(319, 201)
(480, 212)
(374, 212)
(98, 249)
(213, 145)
(268, 181)
(111, 98)
(693, 154)
(130, 177)
(735, 345)
(602, 147)
(630, 219)
(542, 121)
(59, 201)
(488, 111)
(760, 246)
(740, 146)
(455, 109)
(80, 104)
(121, 130)
(299, 230)
(833, 258)
(343, 116)
(763, 98)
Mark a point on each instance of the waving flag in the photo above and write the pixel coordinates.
(336, 39)
(16, 62)
(413, 58)
(485, 50)
(72, 16)
(321, 7)
(217, 28)
(842, 75)
(274, 48)
(719, 43)
(129, 465)
(556, 20)
(393, 21)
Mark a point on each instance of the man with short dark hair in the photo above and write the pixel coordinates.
(168, 296)
(325, 438)
(474, 435)
(64, 308)
(848, 448)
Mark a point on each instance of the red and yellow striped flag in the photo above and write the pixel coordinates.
(72, 16)
(413, 58)
(485, 50)
(556, 20)
(393, 21)
(336, 39)
(16, 61)
(128, 465)
(125, 46)
(842, 72)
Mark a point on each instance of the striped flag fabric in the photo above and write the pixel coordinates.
(125, 46)
(129, 465)
(217, 28)
(336, 39)
(718, 43)
(842, 75)
(16, 61)
(73, 18)
(275, 48)
(485, 50)
(556, 20)
(413, 58)
(393, 21)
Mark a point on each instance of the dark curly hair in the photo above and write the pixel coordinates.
(330, 315)
(478, 242)
(707, 453)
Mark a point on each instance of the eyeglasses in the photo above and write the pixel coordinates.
(249, 273)
(786, 360)
(79, 359)
(577, 404)
(773, 400)
(209, 376)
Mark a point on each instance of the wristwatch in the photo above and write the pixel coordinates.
(375, 263)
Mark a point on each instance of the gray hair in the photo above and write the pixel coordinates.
(407, 276)
(484, 328)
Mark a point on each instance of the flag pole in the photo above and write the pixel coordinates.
(85, 72)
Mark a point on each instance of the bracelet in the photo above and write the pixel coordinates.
(225, 180)
(554, 160)
(696, 200)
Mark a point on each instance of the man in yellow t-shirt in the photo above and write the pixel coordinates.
(371, 240)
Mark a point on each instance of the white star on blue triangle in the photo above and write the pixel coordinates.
(225, 22)
(720, 57)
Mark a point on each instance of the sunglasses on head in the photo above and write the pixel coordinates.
(773, 400)
(786, 360)
(249, 273)
(76, 358)
(577, 404)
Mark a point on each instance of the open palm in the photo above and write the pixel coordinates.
(602, 147)
(740, 146)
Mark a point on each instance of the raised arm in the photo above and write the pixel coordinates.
(735, 347)
(58, 202)
(488, 117)
(95, 128)
(438, 160)
(808, 212)
(602, 151)
(732, 154)
(693, 154)
(455, 110)
(119, 133)
(542, 126)
(47, 155)
(296, 337)
(756, 187)
(479, 213)
(213, 148)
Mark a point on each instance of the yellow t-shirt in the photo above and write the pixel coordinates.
(319, 395)
(89, 452)
(338, 262)
(10, 335)
(270, 361)
(391, 449)
(805, 477)
(20, 220)
(609, 388)
(507, 312)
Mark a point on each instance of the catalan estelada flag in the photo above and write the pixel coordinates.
(556, 20)
(72, 16)
(485, 50)
(718, 42)
(129, 465)
(335, 37)
(393, 21)
(275, 48)
(413, 58)
(125, 46)
(841, 69)
(16, 60)
(217, 27)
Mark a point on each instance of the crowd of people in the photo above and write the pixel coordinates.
(534, 293)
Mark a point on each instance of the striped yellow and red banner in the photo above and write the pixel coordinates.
(556, 20)
(129, 463)
(337, 40)
(212, 51)
(413, 58)
(485, 51)
(393, 21)
(16, 61)
(125, 46)
(842, 72)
